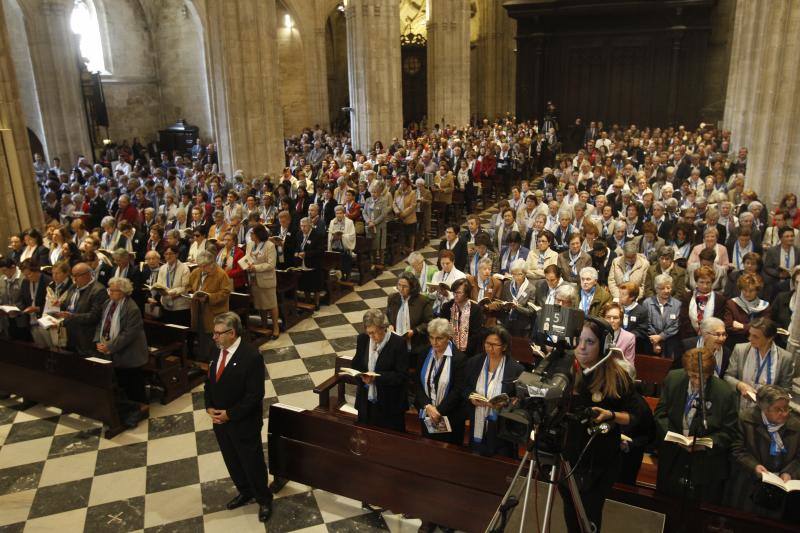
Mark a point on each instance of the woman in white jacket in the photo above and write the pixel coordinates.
(342, 239)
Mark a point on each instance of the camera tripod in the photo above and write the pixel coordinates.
(558, 465)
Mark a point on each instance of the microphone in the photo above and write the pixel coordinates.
(602, 428)
(611, 351)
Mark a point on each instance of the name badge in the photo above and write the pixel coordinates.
(633, 319)
(672, 317)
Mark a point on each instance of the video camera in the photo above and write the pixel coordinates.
(541, 393)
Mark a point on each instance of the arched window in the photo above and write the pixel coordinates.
(84, 24)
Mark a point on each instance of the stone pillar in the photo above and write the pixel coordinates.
(448, 62)
(246, 108)
(55, 56)
(496, 60)
(19, 196)
(373, 60)
(762, 108)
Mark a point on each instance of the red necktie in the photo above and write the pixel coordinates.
(221, 364)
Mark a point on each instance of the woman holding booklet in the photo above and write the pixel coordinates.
(488, 376)
(259, 263)
(767, 448)
(695, 468)
(515, 302)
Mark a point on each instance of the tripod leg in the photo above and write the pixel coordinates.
(498, 522)
(577, 502)
(548, 507)
(525, 501)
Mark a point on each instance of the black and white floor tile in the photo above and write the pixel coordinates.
(57, 473)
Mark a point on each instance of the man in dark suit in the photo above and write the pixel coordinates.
(310, 246)
(233, 393)
(780, 260)
(33, 291)
(81, 310)
(327, 206)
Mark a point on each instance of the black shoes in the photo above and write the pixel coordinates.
(277, 484)
(238, 501)
(264, 511)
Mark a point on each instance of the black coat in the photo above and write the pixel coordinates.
(240, 390)
(490, 444)
(460, 251)
(420, 312)
(638, 323)
(452, 406)
(392, 365)
(85, 318)
(328, 211)
(39, 297)
(475, 336)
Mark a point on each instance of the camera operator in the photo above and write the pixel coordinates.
(609, 393)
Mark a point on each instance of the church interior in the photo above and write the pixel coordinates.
(503, 265)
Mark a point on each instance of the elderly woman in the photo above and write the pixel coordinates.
(541, 257)
(409, 312)
(512, 252)
(678, 410)
(120, 337)
(759, 362)
(375, 213)
(562, 231)
(381, 400)
(198, 243)
(405, 208)
(465, 317)
(710, 236)
(342, 239)
(219, 227)
(440, 384)
(209, 287)
(574, 259)
(743, 309)
(483, 284)
(712, 338)
(592, 296)
(263, 279)
(228, 258)
(422, 271)
(702, 302)
(768, 442)
(505, 229)
(662, 311)
(514, 312)
(172, 278)
(490, 374)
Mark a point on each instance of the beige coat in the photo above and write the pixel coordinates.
(617, 275)
(219, 287)
(408, 212)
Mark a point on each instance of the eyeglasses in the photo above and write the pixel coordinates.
(218, 333)
(492, 345)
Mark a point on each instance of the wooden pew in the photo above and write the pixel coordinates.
(425, 479)
(438, 482)
(61, 379)
(651, 371)
(363, 260)
(169, 362)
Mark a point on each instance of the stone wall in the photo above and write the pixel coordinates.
(178, 37)
(718, 58)
(131, 90)
(293, 85)
(21, 56)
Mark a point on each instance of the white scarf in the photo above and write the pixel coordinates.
(520, 292)
(436, 391)
(489, 385)
(423, 278)
(374, 352)
(776, 445)
(769, 372)
(403, 321)
(751, 307)
(708, 311)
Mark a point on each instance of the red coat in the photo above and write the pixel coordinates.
(131, 214)
(488, 166)
(355, 212)
(235, 272)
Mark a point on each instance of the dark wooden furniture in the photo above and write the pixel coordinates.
(61, 379)
(169, 364)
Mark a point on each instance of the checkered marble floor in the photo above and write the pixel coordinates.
(58, 474)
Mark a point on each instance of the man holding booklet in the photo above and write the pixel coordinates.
(693, 458)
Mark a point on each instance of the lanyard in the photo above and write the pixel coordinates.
(760, 367)
(171, 275)
(433, 384)
(689, 401)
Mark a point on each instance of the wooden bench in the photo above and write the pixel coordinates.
(61, 379)
(169, 363)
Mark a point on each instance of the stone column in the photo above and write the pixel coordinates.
(55, 56)
(448, 62)
(763, 98)
(497, 62)
(19, 196)
(373, 60)
(243, 67)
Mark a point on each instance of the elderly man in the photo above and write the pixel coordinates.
(209, 287)
(631, 266)
(233, 395)
(120, 337)
(666, 265)
(82, 309)
(592, 297)
(712, 337)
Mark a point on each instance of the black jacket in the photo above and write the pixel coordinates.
(240, 389)
(420, 312)
(86, 316)
(460, 251)
(392, 365)
(452, 406)
(39, 297)
(314, 248)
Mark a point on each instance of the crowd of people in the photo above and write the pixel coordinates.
(651, 233)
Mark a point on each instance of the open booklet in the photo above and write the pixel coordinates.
(355, 373)
(442, 427)
(48, 321)
(677, 438)
(10, 309)
(245, 262)
(191, 295)
(155, 287)
(498, 401)
(788, 486)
